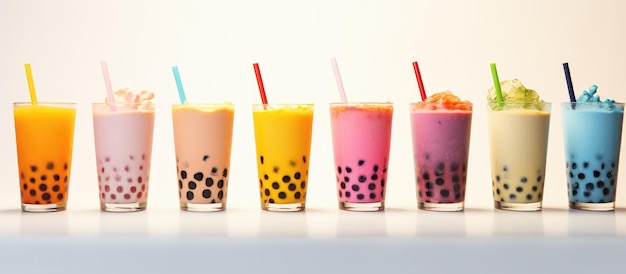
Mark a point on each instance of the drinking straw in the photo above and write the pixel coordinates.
(259, 81)
(342, 91)
(568, 80)
(107, 84)
(179, 85)
(496, 84)
(420, 83)
(31, 84)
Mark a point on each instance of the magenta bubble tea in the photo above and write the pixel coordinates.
(361, 135)
(123, 137)
(441, 128)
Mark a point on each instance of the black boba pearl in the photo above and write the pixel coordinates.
(612, 182)
(519, 189)
(426, 176)
(362, 178)
(539, 178)
(429, 194)
(347, 179)
(439, 172)
(429, 185)
(505, 168)
(444, 192)
(338, 194)
(303, 184)
(535, 188)
(574, 165)
(180, 184)
(382, 182)
(585, 164)
(454, 166)
(498, 191)
(575, 192)
(529, 197)
(602, 166)
(581, 176)
(261, 158)
(361, 162)
(60, 196)
(32, 192)
(571, 175)
(286, 179)
(612, 164)
(220, 183)
(304, 158)
(275, 169)
(33, 180)
(205, 157)
(455, 178)
(506, 186)
(267, 192)
(65, 178)
(45, 196)
(596, 173)
(297, 175)
(207, 193)
(419, 193)
(457, 196)
(589, 186)
(342, 185)
(275, 185)
(440, 166)
(183, 175)
(375, 168)
(339, 169)
(576, 185)
(213, 170)
(292, 163)
(25, 186)
(371, 186)
(225, 172)
(512, 196)
(209, 182)
(297, 195)
(374, 177)
(523, 179)
(439, 181)
(43, 187)
(498, 178)
(587, 194)
(50, 166)
(609, 175)
(600, 184)
(355, 187)
(192, 185)
(271, 201)
(348, 194)
(33, 168)
(266, 177)
(606, 191)
(360, 196)
(372, 195)
(189, 195)
(348, 169)
(292, 187)
(220, 194)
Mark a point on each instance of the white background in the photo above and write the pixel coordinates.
(215, 43)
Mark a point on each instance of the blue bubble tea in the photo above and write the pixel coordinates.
(592, 133)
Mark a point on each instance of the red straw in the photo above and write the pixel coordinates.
(259, 81)
(420, 83)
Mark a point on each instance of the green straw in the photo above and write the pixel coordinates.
(496, 84)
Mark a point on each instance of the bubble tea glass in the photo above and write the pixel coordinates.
(203, 138)
(518, 142)
(441, 139)
(123, 138)
(592, 133)
(361, 134)
(283, 142)
(44, 135)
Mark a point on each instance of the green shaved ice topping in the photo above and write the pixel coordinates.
(516, 94)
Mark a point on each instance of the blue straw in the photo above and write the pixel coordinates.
(570, 86)
(179, 85)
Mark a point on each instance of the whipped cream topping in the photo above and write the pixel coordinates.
(142, 99)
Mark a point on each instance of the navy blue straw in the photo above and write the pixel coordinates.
(570, 86)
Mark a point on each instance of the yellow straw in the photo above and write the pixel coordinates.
(31, 84)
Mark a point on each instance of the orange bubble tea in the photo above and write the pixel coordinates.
(283, 143)
(44, 134)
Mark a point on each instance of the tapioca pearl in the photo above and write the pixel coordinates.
(498, 191)
(596, 173)
(282, 195)
(419, 193)
(271, 201)
(439, 172)
(501, 199)
(275, 185)
(426, 175)
(372, 195)
(205, 157)
(512, 196)
(574, 165)
(25, 186)
(198, 176)
(382, 183)
(139, 195)
(286, 179)
(141, 167)
(375, 168)
(113, 197)
(374, 177)
(602, 166)
(576, 186)
(65, 179)
(348, 169)
(348, 194)
(297, 175)
(612, 182)
(43, 187)
(498, 178)
(609, 174)
(260, 183)
(133, 189)
(519, 189)
(262, 159)
(506, 186)
(292, 187)
(589, 186)
(267, 192)
(32, 193)
(362, 178)
(190, 195)
(444, 193)
(371, 186)
(338, 194)
(360, 196)
(581, 176)
(275, 169)
(33, 168)
(587, 194)
(304, 158)
(33, 180)
(505, 168)
(600, 184)
(454, 166)
(529, 197)
(214, 170)
(612, 164)
(143, 187)
(523, 180)
(429, 185)
(575, 192)
(606, 191)
(139, 179)
(292, 163)
(120, 189)
(225, 172)
(118, 178)
(192, 185)
(297, 195)
(303, 184)
(429, 194)
(46, 196)
(266, 177)
(585, 164)
(209, 182)
(456, 179)
(339, 170)
(355, 187)
(439, 181)
(43, 177)
(180, 184)
(220, 183)
(457, 188)
(346, 179)
(102, 170)
(361, 162)
(107, 188)
(342, 185)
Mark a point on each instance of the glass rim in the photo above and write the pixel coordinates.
(123, 104)
(202, 104)
(438, 103)
(283, 104)
(516, 103)
(361, 103)
(24, 103)
(593, 103)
